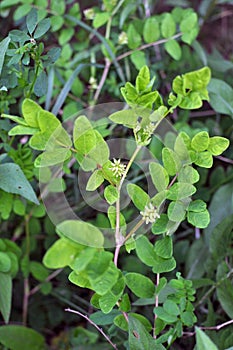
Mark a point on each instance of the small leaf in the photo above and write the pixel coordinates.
(171, 307)
(200, 141)
(139, 197)
(159, 176)
(145, 251)
(203, 341)
(164, 315)
(134, 38)
(199, 219)
(41, 85)
(3, 48)
(151, 31)
(138, 58)
(176, 211)
(61, 254)
(111, 194)
(160, 225)
(95, 180)
(139, 338)
(13, 180)
(42, 28)
(218, 145)
(188, 174)
(221, 96)
(171, 161)
(140, 285)
(164, 265)
(164, 247)
(168, 26)
(126, 117)
(100, 19)
(5, 297)
(30, 110)
(180, 190)
(173, 48)
(204, 159)
(197, 206)
(31, 20)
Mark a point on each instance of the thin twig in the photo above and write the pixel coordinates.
(224, 159)
(102, 80)
(145, 46)
(49, 278)
(93, 324)
(213, 328)
(156, 304)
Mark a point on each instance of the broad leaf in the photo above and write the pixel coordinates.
(134, 38)
(159, 176)
(151, 31)
(145, 251)
(111, 194)
(203, 341)
(200, 141)
(218, 145)
(139, 197)
(180, 190)
(171, 161)
(3, 48)
(139, 338)
(81, 232)
(140, 285)
(95, 180)
(13, 180)
(19, 337)
(164, 247)
(30, 110)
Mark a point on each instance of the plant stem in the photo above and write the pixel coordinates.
(102, 80)
(93, 324)
(145, 46)
(49, 278)
(134, 229)
(156, 304)
(119, 239)
(25, 301)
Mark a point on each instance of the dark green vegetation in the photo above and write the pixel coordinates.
(153, 270)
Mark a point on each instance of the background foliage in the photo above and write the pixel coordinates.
(66, 56)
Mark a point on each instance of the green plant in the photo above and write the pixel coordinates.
(81, 244)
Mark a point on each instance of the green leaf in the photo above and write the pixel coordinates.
(203, 341)
(38, 271)
(200, 141)
(109, 300)
(80, 280)
(197, 206)
(173, 48)
(145, 251)
(159, 176)
(134, 38)
(189, 22)
(171, 161)
(164, 265)
(42, 28)
(58, 6)
(5, 262)
(31, 20)
(81, 232)
(111, 194)
(95, 180)
(200, 219)
(164, 315)
(61, 254)
(221, 237)
(127, 117)
(164, 247)
(138, 58)
(104, 282)
(20, 337)
(41, 85)
(168, 26)
(176, 211)
(218, 145)
(188, 318)
(5, 296)
(57, 156)
(100, 19)
(204, 159)
(30, 110)
(143, 80)
(102, 319)
(151, 31)
(180, 190)
(139, 338)
(140, 285)
(224, 289)
(13, 180)
(221, 96)
(160, 225)
(139, 197)
(171, 307)
(3, 48)
(188, 174)
(121, 322)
